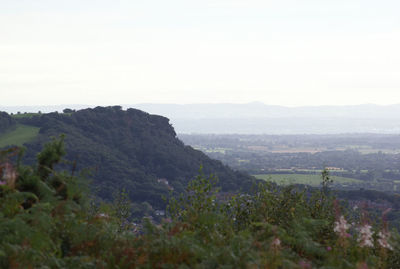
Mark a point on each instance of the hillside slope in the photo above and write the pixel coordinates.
(129, 149)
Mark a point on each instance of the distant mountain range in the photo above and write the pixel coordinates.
(260, 110)
(259, 118)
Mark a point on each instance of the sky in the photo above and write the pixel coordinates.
(286, 52)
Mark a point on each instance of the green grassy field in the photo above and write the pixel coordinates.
(24, 115)
(212, 150)
(313, 180)
(18, 136)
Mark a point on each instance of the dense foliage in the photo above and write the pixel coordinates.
(46, 222)
(6, 121)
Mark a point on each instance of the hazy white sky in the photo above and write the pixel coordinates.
(286, 52)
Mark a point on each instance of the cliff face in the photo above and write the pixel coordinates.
(130, 149)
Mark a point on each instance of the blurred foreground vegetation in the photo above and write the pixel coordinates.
(47, 221)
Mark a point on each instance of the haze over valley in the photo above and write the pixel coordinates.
(258, 118)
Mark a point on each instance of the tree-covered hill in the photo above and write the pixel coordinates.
(128, 149)
(6, 121)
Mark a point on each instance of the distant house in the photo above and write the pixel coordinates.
(331, 168)
(165, 182)
(160, 213)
